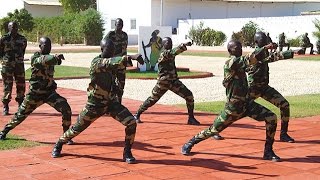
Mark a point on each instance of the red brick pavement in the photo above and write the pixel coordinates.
(98, 150)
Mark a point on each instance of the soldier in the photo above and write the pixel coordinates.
(12, 50)
(102, 99)
(238, 103)
(306, 43)
(282, 42)
(42, 89)
(168, 80)
(156, 45)
(269, 38)
(120, 40)
(258, 77)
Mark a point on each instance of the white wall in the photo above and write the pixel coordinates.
(126, 10)
(6, 6)
(292, 26)
(44, 11)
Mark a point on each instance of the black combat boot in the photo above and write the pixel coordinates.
(56, 152)
(137, 117)
(4, 132)
(5, 109)
(268, 152)
(186, 148)
(284, 137)
(217, 137)
(2, 135)
(191, 119)
(65, 128)
(127, 155)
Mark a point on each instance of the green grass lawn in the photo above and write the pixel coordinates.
(308, 58)
(300, 106)
(15, 142)
(66, 72)
(71, 72)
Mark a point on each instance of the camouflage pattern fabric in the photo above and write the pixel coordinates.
(42, 90)
(102, 99)
(258, 77)
(168, 80)
(12, 55)
(120, 41)
(238, 103)
(282, 42)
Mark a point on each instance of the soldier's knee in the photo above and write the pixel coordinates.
(272, 118)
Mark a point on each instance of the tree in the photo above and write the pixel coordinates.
(22, 17)
(74, 6)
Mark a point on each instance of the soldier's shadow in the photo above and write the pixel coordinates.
(194, 162)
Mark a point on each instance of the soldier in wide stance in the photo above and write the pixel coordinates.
(258, 78)
(168, 80)
(239, 104)
(42, 89)
(102, 99)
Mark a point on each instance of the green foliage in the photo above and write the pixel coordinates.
(71, 28)
(316, 33)
(22, 17)
(295, 42)
(75, 6)
(205, 36)
(16, 142)
(246, 34)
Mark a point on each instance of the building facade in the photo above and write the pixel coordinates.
(37, 8)
(170, 12)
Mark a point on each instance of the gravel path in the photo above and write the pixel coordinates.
(289, 77)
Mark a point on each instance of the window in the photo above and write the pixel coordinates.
(133, 24)
(113, 23)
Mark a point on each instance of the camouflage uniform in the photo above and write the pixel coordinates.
(238, 104)
(282, 42)
(102, 99)
(306, 43)
(42, 90)
(120, 42)
(12, 56)
(258, 79)
(168, 80)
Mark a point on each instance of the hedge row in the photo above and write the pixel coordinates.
(85, 27)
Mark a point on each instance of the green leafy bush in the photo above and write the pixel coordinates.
(295, 42)
(72, 28)
(22, 17)
(246, 34)
(205, 36)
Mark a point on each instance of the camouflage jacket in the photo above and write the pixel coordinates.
(282, 39)
(42, 69)
(102, 85)
(120, 41)
(235, 80)
(305, 41)
(258, 74)
(12, 50)
(167, 68)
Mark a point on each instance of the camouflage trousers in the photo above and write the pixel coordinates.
(34, 100)
(92, 112)
(274, 97)
(162, 87)
(13, 71)
(230, 114)
(121, 81)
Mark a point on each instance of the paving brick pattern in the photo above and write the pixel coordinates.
(98, 150)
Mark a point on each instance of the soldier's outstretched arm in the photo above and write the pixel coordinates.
(47, 59)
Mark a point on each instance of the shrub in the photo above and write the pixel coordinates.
(22, 17)
(246, 34)
(295, 42)
(206, 36)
